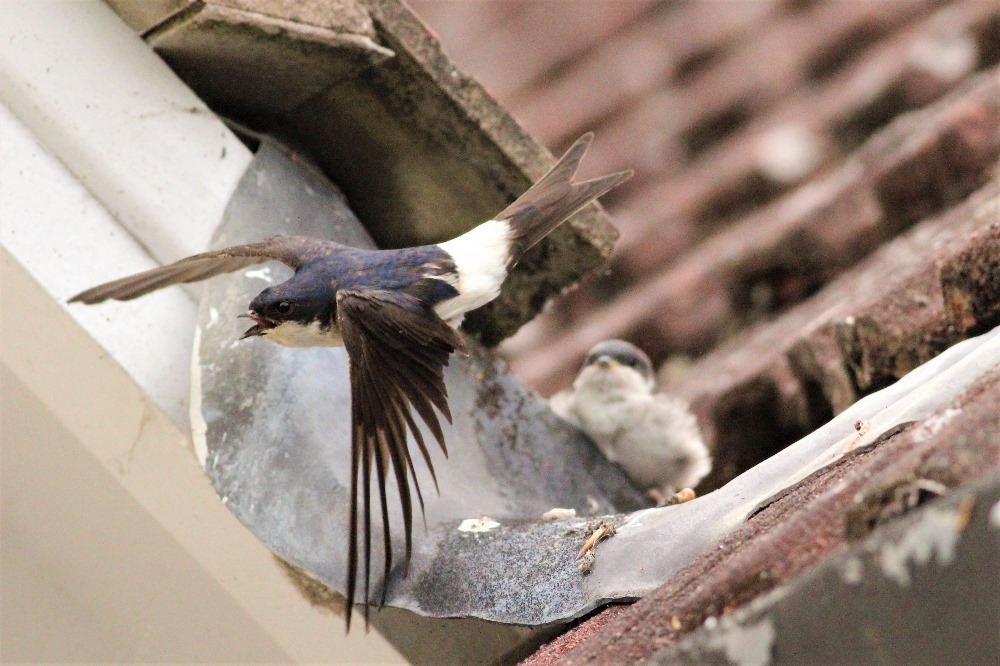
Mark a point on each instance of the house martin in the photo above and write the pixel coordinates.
(397, 313)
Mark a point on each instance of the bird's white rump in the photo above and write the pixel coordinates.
(480, 257)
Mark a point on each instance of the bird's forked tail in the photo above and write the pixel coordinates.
(554, 198)
(484, 255)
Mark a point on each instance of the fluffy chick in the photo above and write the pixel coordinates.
(653, 437)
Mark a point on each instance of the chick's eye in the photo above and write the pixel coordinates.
(629, 361)
(283, 307)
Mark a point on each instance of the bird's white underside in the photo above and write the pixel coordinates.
(480, 257)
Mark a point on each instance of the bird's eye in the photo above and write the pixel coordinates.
(283, 307)
(629, 361)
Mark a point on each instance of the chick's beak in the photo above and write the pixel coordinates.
(605, 361)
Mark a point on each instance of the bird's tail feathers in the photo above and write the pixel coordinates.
(554, 198)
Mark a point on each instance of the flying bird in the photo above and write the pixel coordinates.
(654, 437)
(397, 313)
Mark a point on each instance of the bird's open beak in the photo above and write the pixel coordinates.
(606, 362)
(260, 327)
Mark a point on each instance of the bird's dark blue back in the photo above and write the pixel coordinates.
(404, 269)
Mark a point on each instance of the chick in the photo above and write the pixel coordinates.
(653, 437)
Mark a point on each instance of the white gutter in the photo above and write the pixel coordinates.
(111, 165)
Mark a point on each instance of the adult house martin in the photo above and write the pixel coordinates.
(397, 313)
(654, 437)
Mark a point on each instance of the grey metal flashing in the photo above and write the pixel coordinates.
(277, 452)
(272, 430)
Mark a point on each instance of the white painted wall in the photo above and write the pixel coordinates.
(114, 547)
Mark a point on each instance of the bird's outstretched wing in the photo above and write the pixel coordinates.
(290, 250)
(397, 348)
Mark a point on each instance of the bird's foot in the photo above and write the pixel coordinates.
(669, 499)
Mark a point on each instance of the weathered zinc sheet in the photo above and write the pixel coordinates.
(277, 447)
(273, 422)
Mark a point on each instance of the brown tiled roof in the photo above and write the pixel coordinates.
(816, 212)
(726, 111)
(778, 255)
(816, 519)
(813, 178)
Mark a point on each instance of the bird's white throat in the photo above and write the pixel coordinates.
(294, 334)
(612, 382)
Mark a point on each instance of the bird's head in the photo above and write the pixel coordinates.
(617, 365)
(293, 315)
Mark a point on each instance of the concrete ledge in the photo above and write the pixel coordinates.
(421, 150)
(259, 66)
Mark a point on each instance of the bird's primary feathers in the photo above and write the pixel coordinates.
(654, 437)
(397, 313)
